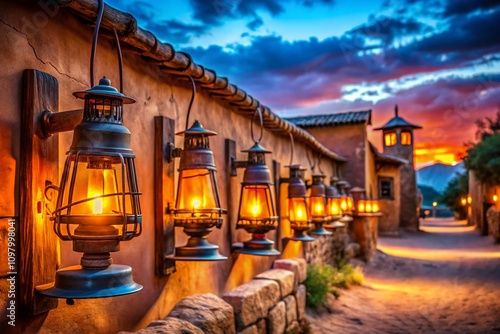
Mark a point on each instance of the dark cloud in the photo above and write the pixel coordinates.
(214, 12)
(389, 29)
(473, 33)
(463, 7)
(255, 24)
(172, 31)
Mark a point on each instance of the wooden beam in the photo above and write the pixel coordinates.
(232, 190)
(276, 180)
(39, 166)
(164, 195)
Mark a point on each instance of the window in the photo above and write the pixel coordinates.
(406, 138)
(386, 187)
(390, 139)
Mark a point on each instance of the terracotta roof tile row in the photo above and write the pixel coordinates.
(137, 40)
(351, 117)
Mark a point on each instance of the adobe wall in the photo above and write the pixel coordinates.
(388, 223)
(60, 46)
(350, 142)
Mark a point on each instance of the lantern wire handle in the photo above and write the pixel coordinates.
(94, 41)
(313, 166)
(292, 148)
(319, 163)
(261, 125)
(193, 85)
(120, 59)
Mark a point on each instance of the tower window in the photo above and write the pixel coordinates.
(405, 138)
(386, 187)
(390, 139)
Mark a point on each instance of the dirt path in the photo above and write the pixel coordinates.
(444, 280)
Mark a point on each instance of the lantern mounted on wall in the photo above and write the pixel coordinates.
(256, 213)
(98, 198)
(317, 205)
(197, 204)
(333, 208)
(297, 209)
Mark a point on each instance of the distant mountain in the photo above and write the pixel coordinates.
(430, 195)
(438, 176)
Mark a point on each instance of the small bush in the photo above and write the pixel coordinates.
(324, 279)
(347, 276)
(318, 284)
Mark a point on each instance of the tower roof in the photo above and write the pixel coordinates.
(398, 122)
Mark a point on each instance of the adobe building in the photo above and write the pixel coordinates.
(398, 141)
(380, 174)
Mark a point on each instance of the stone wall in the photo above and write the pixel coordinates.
(363, 230)
(327, 249)
(493, 215)
(273, 302)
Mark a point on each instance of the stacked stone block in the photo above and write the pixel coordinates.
(274, 302)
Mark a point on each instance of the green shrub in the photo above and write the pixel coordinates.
(324, 279)
(318, 284)
(347, 275)
(484, 160)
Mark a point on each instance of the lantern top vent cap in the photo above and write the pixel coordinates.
(105, 89)
(257, 148)
(196, 129)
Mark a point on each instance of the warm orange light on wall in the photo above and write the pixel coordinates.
(368, 206)
(375, 206)
(495, 198)
(463, 201)
(469, 199)
(361, 206)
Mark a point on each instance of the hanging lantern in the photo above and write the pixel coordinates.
(98, 199)
(343, 196)
(297, 206)
(257, 214)
(350, 200)
(317, 205)
(197, 205)
(333, 208)
(375, 206)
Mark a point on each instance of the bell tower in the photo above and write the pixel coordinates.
(398, 141)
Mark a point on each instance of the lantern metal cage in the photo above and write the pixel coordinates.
(257, 213)
(197, 206)
(317, 205)
(98, 198)
(298, 214)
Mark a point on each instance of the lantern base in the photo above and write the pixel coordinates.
(258, 245)
(198, 249)
(346, 219)
(334, 225)
(77, 283)
(301, 235)
(319, 230)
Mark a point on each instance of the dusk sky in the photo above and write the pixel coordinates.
(439, 60)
